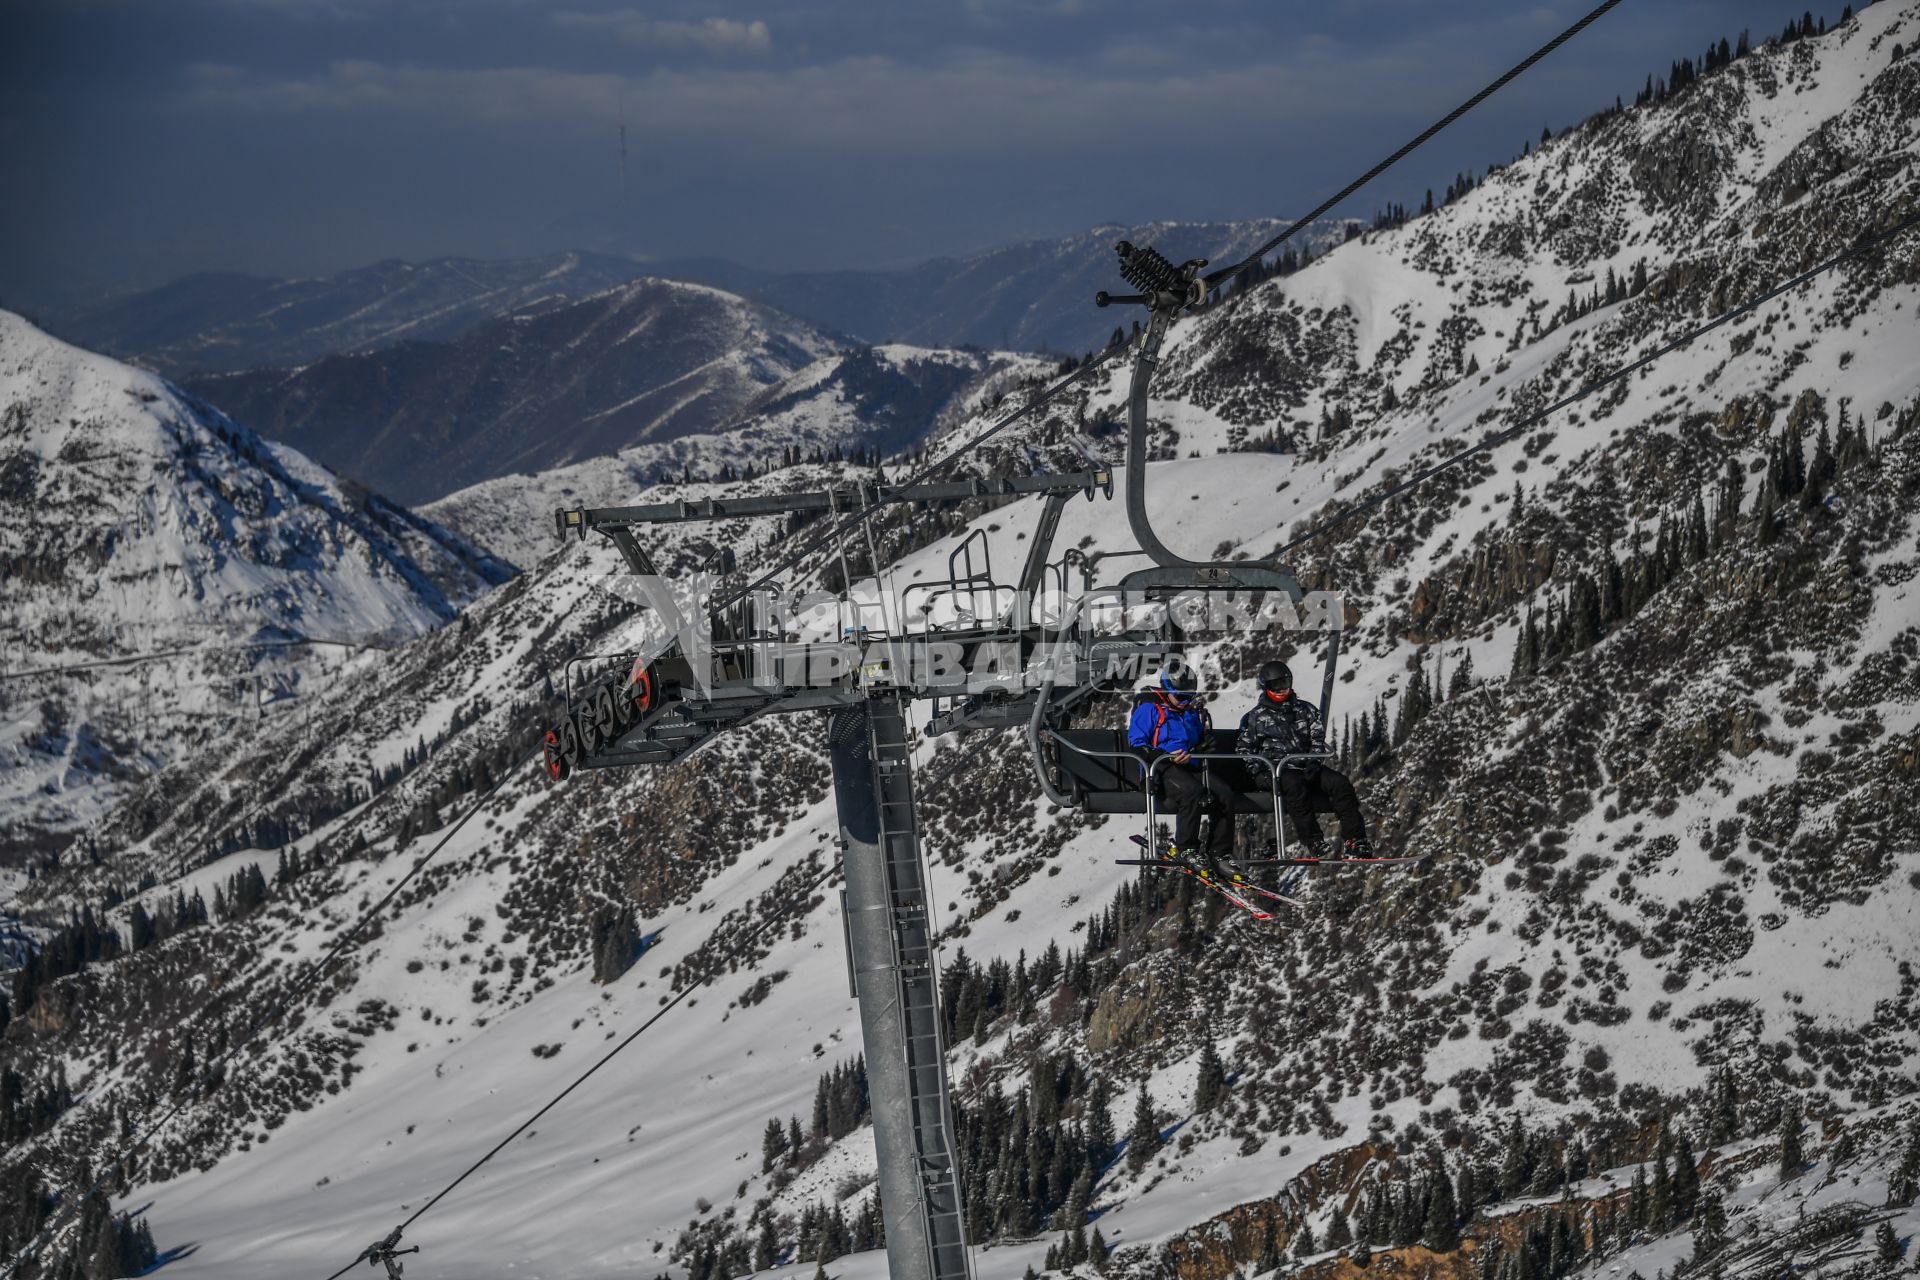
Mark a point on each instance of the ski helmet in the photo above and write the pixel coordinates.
(1179, 681)
(1275, 677)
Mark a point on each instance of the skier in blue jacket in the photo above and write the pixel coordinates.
(1169, 721)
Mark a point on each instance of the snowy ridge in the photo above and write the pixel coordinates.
(225, 323)
(877, 398)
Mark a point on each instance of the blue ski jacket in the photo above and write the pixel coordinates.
(1161, 724)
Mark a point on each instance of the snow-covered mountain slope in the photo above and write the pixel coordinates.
(1670, 917)
(872, 399)
(648, 361)
(141, 522)
(223, 323)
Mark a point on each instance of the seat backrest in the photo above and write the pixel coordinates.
(1106, 785)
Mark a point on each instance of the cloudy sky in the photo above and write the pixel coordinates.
(142, 140)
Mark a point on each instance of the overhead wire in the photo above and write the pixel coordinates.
(837, 532)
(190, 651)
(767, 924)
(304, 983)
(1215, 278)
(1532, 420)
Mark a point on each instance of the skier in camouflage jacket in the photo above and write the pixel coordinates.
(1283, 723)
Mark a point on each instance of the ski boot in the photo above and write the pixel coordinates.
(1315, 847)
(1181, 859)
(1358, 847)
(1228, 871)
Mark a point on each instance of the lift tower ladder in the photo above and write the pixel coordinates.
(890, 942)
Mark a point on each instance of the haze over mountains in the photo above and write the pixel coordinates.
(221, 323)
(1644, 684)
(1031, 296)
(419, 381)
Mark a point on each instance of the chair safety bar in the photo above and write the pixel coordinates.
(1149, 770)
(1274, 763)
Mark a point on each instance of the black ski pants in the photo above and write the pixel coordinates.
(1307, 792)
(1192, 792)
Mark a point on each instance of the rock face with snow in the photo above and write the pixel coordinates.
(1643, 683)
(649, 361)
(141, 521)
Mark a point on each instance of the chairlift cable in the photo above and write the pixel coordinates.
(1213, 279)
(841, 527)
(767, 924)
(314, 972)
(191, 651)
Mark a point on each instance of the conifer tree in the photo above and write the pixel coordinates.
(1097, 1251)
(1686, 1180)
(1886, 1245)
(773, 1145)
(1660, 1194)
(1904, 1186)
(1441, 1232)
(1212, 1083)
(766, 1247)
(1791, 1155)
(1462, 680)
(1100, 1135)
(1268, 1259)
(1515, 1166)
(1304, 1246)
(1143, 1140)
(1079, 1199)
(1339, 1233)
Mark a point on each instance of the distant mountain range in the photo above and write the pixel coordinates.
(216, 322)
(1032, 296)
(882, 399)
(650, 360)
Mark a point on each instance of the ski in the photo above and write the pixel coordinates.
(1329, 862)
(1251, 908)
(1231, 893)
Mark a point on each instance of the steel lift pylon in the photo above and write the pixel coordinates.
(886, 906)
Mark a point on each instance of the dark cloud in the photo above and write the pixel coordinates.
(294, 136)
